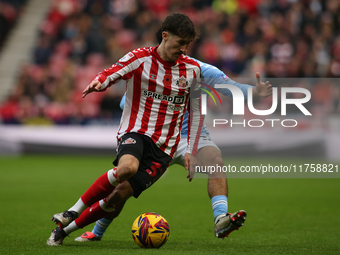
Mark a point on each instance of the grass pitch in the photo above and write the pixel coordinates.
(284, 216)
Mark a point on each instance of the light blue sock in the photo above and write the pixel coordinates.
(101, 226)
(219, 206)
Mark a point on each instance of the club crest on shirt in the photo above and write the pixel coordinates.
(129, 141)
(182, 82)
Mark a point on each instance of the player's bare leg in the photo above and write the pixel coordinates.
(225, 222)
(217, 183)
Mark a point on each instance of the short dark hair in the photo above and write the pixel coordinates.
(178, 24)
(159, 36)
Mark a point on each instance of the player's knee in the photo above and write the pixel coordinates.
(218, 161)
(127, 168)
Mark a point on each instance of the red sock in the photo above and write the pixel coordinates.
(90, 215)
(100, 189)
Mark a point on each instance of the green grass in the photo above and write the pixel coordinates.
(285, 216)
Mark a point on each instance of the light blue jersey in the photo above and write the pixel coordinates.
(212, 76)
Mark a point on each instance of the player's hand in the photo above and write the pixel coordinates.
(263, 89)
(93, 86)
(190, 162)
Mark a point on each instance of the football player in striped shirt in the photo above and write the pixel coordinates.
(208, 154)
(159, 81)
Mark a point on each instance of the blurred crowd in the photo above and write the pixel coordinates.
(10, 10)
(79, 38)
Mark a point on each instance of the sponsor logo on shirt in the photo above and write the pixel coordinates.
(168, 98)
(175, 108)
(126, 57)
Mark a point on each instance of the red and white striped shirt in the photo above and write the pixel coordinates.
(157, 97)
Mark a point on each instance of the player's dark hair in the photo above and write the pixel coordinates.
(178, 24)
(159, 36)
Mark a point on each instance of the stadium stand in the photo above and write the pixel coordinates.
(77, 39)
(17, 47)
(10, 10)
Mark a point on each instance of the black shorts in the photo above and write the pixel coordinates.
(152, 161)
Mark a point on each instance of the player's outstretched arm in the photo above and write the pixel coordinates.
(93, 86)
(262, 89)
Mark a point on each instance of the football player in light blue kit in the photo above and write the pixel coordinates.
(208, 155)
